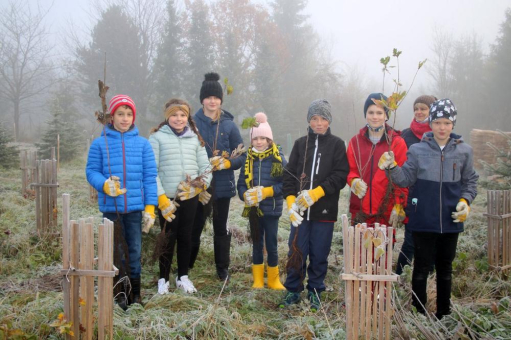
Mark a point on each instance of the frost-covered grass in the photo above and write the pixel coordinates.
(31, 297)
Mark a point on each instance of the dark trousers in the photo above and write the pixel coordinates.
(220, 215)
(314, 241)
(268, 226)
(180, 230)
(442, 249)
(406, 253)
(132, 233)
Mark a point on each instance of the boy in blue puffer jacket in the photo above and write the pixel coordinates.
(260, 185)
(121, 167)
(445, 183)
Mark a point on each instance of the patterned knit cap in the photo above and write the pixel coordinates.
(119, 100)
(443, 108)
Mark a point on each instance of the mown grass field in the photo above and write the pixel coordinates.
(31, 297)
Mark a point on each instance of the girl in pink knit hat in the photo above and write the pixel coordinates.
(260, 187)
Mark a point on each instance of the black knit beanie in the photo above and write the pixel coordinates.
(369, 102)
(211, 87)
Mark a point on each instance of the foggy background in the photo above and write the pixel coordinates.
(278, 55)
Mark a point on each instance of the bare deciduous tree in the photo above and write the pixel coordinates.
(26, 67)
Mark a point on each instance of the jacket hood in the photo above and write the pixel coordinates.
(429, 138)
(224, 116)
(113, 133)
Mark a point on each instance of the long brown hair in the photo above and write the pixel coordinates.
(191, 122)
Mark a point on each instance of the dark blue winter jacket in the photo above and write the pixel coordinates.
(271, 206)
(441, 179)
(131, 159)
(228, 139)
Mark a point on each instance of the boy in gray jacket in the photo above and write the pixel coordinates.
(441, 168)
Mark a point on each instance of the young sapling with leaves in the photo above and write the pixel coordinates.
(440, 168)
(313, 178)
(121, 167)
(183, 173)
(260, 187)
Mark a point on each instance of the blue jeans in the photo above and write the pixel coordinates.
(314, 241)
(268, 226)
(132, 232)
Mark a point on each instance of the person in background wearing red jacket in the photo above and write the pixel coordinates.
(372, 200)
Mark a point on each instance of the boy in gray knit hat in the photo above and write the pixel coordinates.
(316, 172)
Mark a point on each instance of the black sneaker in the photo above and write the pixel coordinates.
(314, 300)
(290, 298)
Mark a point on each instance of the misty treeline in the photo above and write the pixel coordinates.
(269, 52)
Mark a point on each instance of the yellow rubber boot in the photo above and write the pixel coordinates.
(274, 279)
(258, 274)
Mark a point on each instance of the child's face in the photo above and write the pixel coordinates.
(319, 125)
(178, 121)
(375, 116)
(212, 104)
(442, 128)
(260, 143)
(421, 112)
(122, 118)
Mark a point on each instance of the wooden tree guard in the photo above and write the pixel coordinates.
(45, 184)
(93, 193)
(499, 232)
(78, 270)
(28, 171)
(368, 284)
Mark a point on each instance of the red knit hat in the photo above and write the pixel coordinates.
(119, 100)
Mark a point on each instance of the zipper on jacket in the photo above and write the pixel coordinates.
(124, 173)
(370, 184)
(259, 172)
(319, 159)
(453, 171)
(312, 170)
(440, 193)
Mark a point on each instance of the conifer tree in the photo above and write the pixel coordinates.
(8, 153)
(61, 125)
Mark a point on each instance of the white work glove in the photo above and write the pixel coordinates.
(112, 187)
(148, 218)
(294, 215)
(387, 161)
(219, 163)
(204, 197)
(462, 211)
(307, 198)
(185, 191)
(167, 207)
(397, 215)
(358, 187)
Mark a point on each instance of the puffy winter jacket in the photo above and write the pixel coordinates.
(176, 157)
(132, 160)
(363, 157)
(440, 179)
(326, 165)
(228, 139)
(271, 206)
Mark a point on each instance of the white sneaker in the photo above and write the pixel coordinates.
(185, 284)
(163, 287)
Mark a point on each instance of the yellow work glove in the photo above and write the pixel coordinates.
(358, 187)
(204, 197)
(185, 191)
(219, 163)
(256, 194)
(387, 161)
(308, 197)
(462, 211)
(112, 187)
(167, 207)
(148, 218)
(397, 215)
(294, 215)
